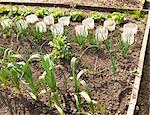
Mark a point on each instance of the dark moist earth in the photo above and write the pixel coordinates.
(143, 105)
(114, 95)
(132, 4)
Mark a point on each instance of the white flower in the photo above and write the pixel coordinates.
(130, 27)
(40, 27)
(128, 37)
(21, 25)
(6, 23)
(32, 18)
(110, 25)
(48, 20)
(101, 34)
(81, 30)
(88, 23)
(64, 21)
(57, 29)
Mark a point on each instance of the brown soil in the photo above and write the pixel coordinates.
(114, 95)
(132, 4)
(143, 104)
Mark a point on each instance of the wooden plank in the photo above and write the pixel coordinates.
(136, 85)
(94, 8)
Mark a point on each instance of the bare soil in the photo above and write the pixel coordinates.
(131, 4)
(114, 95)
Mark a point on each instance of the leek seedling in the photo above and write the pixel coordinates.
(9, 71)
(20, 27)
(57, 30)
(88, 23)
(124, 47)
(49, 68)
(76, 83)
(6, 26)
(81, 35)
(26, 74)
(108, 45)
(39, 30)
(93, 40)
(86, 93)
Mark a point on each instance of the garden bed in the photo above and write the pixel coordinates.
(125, 4)
(112, 91)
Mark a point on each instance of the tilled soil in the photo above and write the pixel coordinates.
(113, 94)
(132, 4)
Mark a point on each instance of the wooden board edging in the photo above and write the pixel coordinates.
(84, 7)
(136, 85)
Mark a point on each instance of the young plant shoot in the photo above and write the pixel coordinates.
(81, 35)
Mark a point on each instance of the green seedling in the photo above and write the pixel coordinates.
(9, 72)
(41, 12)
(26, 74)
(14, 11)
(117, 17)
(86, 93)
(49, 67)
(77, 15)
(6, 25)
(61, 49)
(96, 16)
(93, 41)
(37, 35)
(124, 47)
(26, 11)
(20, 28)
(57, 14)
(3, 10)
(137, 14)
(108, 45)
(76, 83)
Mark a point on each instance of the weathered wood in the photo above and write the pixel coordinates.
(94, 8)
(136, 85)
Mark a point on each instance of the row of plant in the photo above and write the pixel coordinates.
(16, 70)
(76, 15)
(84, 34)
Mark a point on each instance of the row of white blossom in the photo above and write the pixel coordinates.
(101, 33)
